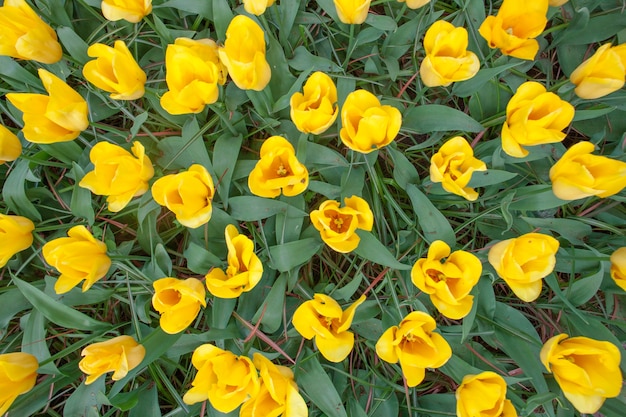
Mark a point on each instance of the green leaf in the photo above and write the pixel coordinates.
(147, 402)
(86, 400)
(535, 198)
(469, 87)
(490, 177)
(14, 193)
(225, 154)
(251, 208)
(304, 60)
(434, 225)
(315, 382)
(81, 204)
(437, 118)
(34, 342)
(74, 44)
(180, 152)
(285, 257)
(373, 250)
(18, 77)
(381, 21)
(222, 15)
(573, 230)
(585, 287)
(404, 171)
(271, 310)
(202, 8)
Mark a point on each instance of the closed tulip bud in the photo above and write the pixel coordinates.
(118, 355)
(453, 167)
(18, 373)
(244, 268)
(366, 124)
(188, 194)
(278, 170)
(352, 12)
(130, 10)
(323, 319)
(514, 29)
(10, 145)
(415, 4)
(579, 174)
(618, 267)
(25, 35)
(225, 379)
(16, 234)
(115, 70)
(587, 370)
(524, 261)
(447, 58)
(193, 73)
(243, 54)
(602, 74)
(557, 3)
(118, 174)
(483, 395)
(415, 345)
(58, 117)
(338, 225)
(178, 302)
(448, 278)
(314, 110)
(534, 117)
(257, 7)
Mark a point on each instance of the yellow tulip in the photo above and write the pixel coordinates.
(225, 379)
(453, 167)
(587, 370)
(316, 109)
(188, 194)
(118, 355)
(602, 74)
(278, 394)
(352, 12)
(193, 73)
(557, 3)
(447, 58)
(515, 26)
(178, 302)
(579, 174)
(278, 170)
(130, 10)
(10, 145)
(415, 4)
(77, 257)
(244, 268)
(524, 261)
(18, 374)
(337, 225)
(25, 35)
(16, 234)
(118, 174)
(257, 7)
(618, 267)
(322, 318)
(448, 278)
(243, 54)
(415, 345)
(483, 395)
(366, 124)
(115, 70)
(534, 117)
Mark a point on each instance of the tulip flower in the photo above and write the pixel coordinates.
(278, 394)
(415, 4)
(10, 145)
(448, 278)
(57, 117)
(524, 261)
(415, 345)
(453, 167)
(618, 267)
(118, 355)
(193, 73)
(447, 58)
(278, 170)
(579, 174)
(256, 7)
(115, 70)
(25, 36)
(16, 234)
(534, 117)
(587, 370)
(77, 257)
(316, 109)
(178, 302)
(322, 318)
(18, 374)
(602, 74)
(352, 12)
(130, 10)
(244, 268)
(557, 3)
(337, 225)
(118, 174)
(188, 194)
(366, 124)
(243, 54)
(514, 29)
(225, 379)
(483, 395)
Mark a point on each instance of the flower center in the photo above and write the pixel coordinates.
(340, 223)
(282, 171)
(436, 276)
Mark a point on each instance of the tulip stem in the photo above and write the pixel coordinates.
(351, 46)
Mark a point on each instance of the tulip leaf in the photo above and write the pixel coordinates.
(404, 171)
(381, 22)
(434, 225)
(271, 311)
(373, 250)
(202, 8)
(490, 177)
(199, 259)
(222, 15)
(438, 118)
(34, 341)
(285, 257)
(74, 44)
(573, 230)
(318, 386)
(14, 194)
(147, 403)
(18, 77)
(585, 287)
(180, 152)
(469, 87)
(597, 29)
(287, 13)
(81, 205)
(251, 208)
(86, 400)
(304, 60)
(225, 154)
(535, 198)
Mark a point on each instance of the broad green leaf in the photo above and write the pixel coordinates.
(81, 204)
(585, 287)
(573, 230)
(381, 22)
(304, 60)
(202, 8)
(317, 385)
(34, 341)
(225, 153)
(285, 257)
(437, 118)
(200, 260)
(535, 198)
(86, 400)
(469, 87)
(222, 15)
(11, 302)
(251, 208)
(74, 44)
(18, 77)
(287, 12)
(221, 311)
(490, 177)
(373, 250)
(147, 404)
(180, 152)
(404, 171)
(434, 225)
(271, 311)
(14, 193)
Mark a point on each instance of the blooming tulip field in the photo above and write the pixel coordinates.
(331, 208)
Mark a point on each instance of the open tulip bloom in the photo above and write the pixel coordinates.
(178, 302)
(18, 375)
(483, 395)
(618, 267)
(10, 145)
(16, 234)
(315, 109)
(118, 355)
(602, 74)
(130, 10)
